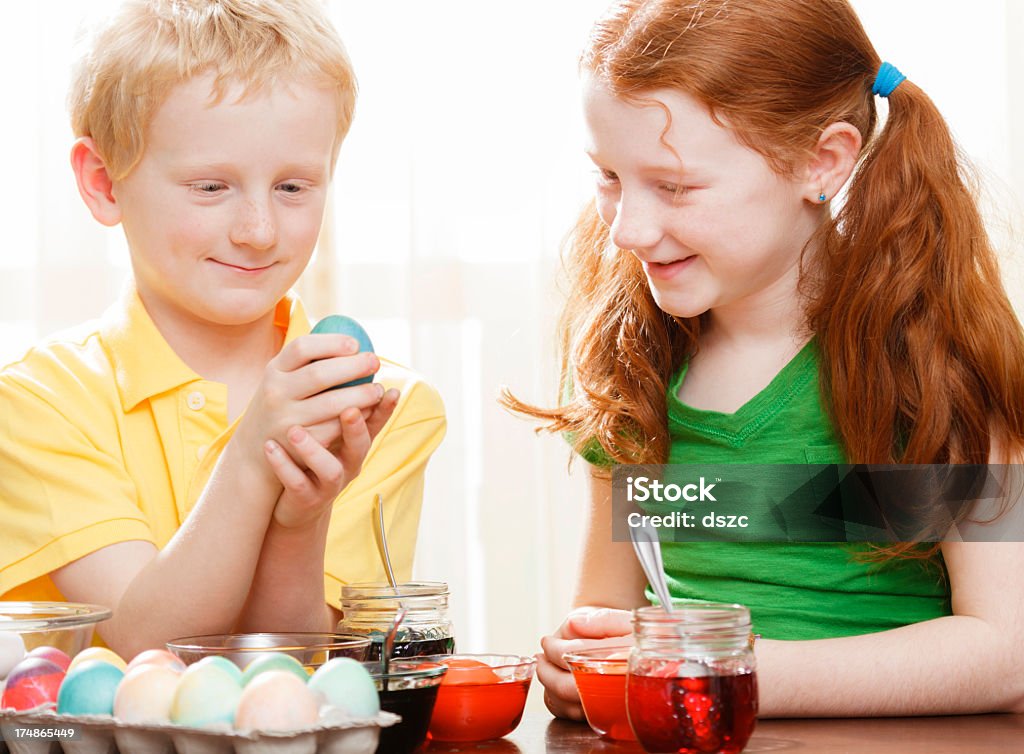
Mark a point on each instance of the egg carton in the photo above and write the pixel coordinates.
(105, 735)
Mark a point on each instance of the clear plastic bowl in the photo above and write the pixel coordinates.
(310, 649)
(68, 626)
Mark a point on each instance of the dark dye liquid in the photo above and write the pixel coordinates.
(415, 707)
(416, 648)
(703, 715)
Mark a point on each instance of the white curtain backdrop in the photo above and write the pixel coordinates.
(461, 176)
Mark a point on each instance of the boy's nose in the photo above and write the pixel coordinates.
(255, 226)
(635, 225)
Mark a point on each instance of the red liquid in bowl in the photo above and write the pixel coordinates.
(704, 715)
(604, 701)
(477, 712)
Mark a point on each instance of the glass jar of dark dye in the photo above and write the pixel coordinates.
(369, 610)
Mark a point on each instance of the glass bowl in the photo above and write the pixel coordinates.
(600, 676)
(410, 690)
(482, 696)
(68, 626)
(310, 649)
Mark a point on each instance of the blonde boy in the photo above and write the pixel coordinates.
(181, 459)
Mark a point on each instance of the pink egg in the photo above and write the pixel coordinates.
(33, 682)
(157, 657)
(54, 655)
(145, 694)
(276, 700)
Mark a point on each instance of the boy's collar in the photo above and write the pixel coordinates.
(144, 363)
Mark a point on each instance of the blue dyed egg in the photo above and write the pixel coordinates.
(274, 661)
(336, 323)
(346, 684)
(89, 689)
(207, 694)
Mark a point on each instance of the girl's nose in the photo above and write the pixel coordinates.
(635, 225)
(255, 226)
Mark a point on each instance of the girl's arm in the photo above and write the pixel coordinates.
(609, 584)
(969, 662)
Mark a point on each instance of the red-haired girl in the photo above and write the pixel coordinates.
(723, 309)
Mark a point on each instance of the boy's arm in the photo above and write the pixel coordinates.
(341, 547)
(199, 581)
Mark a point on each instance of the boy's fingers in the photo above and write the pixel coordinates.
(291, 476)
(382, 413)
(355, 441)
(330, 405)
(318, 459)
(308, 348)
(329, 373)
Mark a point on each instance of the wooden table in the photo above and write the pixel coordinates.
(539, 734)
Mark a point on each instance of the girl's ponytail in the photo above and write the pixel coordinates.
(923, 356)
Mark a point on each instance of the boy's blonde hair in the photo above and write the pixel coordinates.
(147, 47)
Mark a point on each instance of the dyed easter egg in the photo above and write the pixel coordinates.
(216, 661)
(146, 693)
(54, 655)
(274, 661)
(337, 323)
(276, 700)
(32, 682)
(207, 694)
(89, 689)
(98, 653)
(346, 684)
(157, 657)
(12, 651)
(466, 671)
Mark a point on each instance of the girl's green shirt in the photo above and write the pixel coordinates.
(793, 590)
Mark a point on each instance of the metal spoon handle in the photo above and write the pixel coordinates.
(648, 552)
(382, 540)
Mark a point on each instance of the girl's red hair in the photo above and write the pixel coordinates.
(922, 356)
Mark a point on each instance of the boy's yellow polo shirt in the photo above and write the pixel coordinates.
(107, 436)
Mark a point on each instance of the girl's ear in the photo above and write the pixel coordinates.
(94, 183)
(832, 161)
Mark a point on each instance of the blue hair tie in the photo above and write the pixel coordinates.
(888, 78)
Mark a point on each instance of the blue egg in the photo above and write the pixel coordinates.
(345, 683)
(207, 694)
(337, 323)
(89, 689)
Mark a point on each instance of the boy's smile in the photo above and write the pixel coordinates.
(223, 210)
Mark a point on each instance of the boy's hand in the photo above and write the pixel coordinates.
(309, 492)
(584, 628)
(329, 433)
(295, 391)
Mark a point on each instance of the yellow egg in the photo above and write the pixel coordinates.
(98, 653)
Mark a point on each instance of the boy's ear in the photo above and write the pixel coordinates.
(94, 183)
(832, 161)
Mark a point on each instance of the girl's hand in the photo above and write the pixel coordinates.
(309, 492)
(584, 628)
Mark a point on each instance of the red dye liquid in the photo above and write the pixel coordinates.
(604, 701)
(702, 715)
(477, 712)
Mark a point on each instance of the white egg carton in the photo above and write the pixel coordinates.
(105, 735)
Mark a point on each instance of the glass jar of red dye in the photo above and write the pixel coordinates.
(691, 685)
(369, 610)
